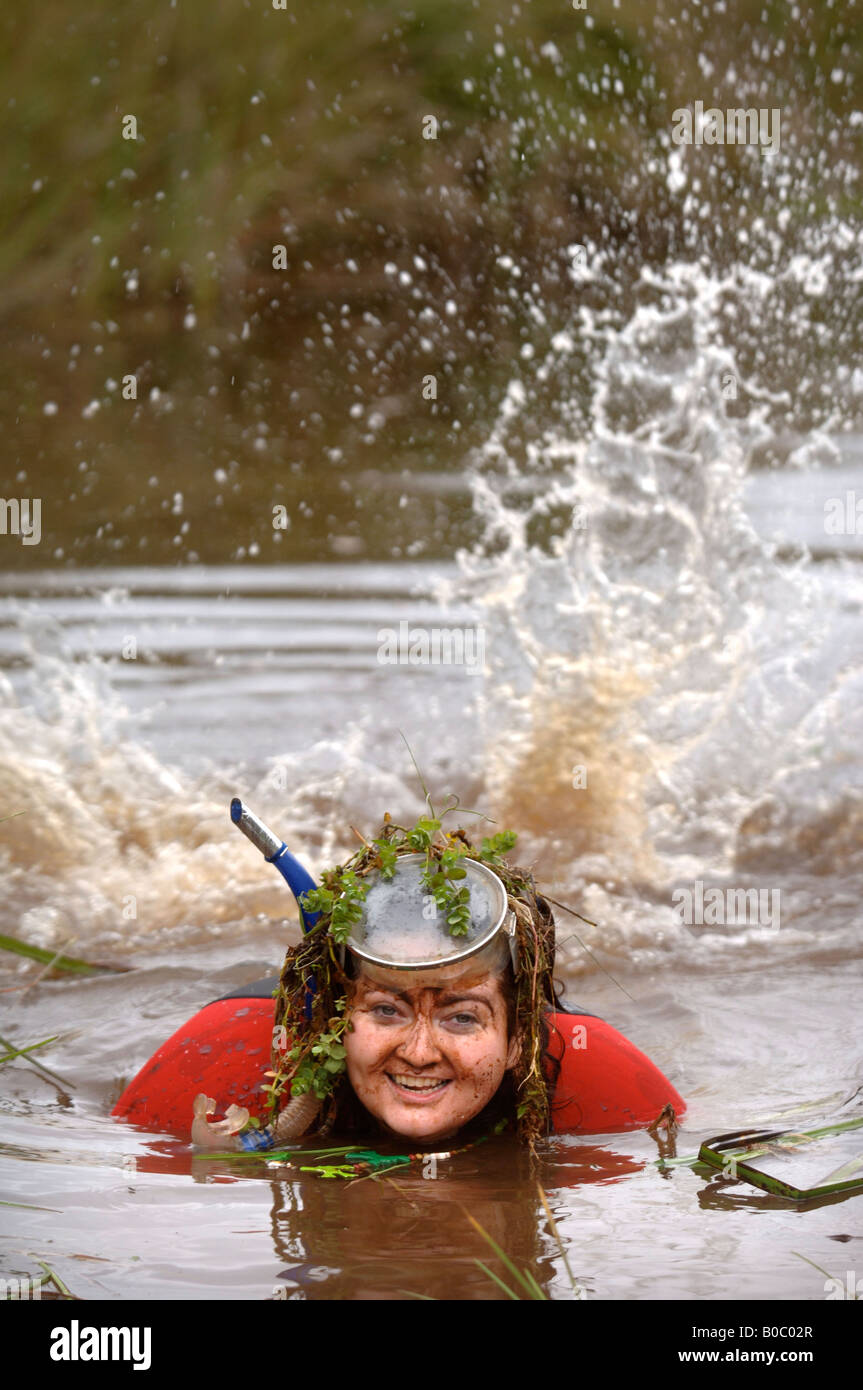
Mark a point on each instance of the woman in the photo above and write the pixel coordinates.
(420, 1005)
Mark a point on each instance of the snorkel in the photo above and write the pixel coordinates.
(276, 852)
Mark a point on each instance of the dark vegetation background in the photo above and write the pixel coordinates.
(406, 256)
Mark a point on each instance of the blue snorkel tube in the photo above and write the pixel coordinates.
(276, 852)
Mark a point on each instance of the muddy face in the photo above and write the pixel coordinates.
(427, 1059)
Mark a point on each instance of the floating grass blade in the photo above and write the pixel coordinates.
(57, 962)
(848, 1170)
(813, 1264)
(277, 1155)
(22, 1051)
(28, 1206)
(49, 1276)
(510, 1293)
(839, 1128)
(43, 1070)
(505, 1261)
(555, 1232)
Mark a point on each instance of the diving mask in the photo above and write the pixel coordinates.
(403, 929)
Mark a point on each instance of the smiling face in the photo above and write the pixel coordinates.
(424, 1060)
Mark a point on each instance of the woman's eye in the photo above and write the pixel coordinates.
(385, 1010)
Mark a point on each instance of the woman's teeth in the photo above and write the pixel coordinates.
(416, 1083)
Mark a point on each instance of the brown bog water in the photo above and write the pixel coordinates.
(636, 504)
(720, 743)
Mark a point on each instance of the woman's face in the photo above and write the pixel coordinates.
(425, 1060)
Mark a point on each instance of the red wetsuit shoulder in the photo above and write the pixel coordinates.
(605, 1083)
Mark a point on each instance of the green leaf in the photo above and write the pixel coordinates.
(458, 912)
(494, 846)
(423, 833)
(317, 900)
(387, 858)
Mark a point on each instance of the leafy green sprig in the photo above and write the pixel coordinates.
(341, 899)
(314, 1062)
(442, 882)
(322, 1064)
(494, 848)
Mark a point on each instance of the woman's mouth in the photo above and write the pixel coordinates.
(418, 1088)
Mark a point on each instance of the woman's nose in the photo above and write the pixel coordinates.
(419, 1048)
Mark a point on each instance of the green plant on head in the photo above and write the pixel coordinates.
(344, 889)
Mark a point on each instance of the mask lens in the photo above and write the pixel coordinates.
(402, 925)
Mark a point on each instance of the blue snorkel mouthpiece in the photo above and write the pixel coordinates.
(276, 852)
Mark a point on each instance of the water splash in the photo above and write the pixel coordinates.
(666, 698)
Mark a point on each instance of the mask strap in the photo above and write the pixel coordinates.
(509, 925)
